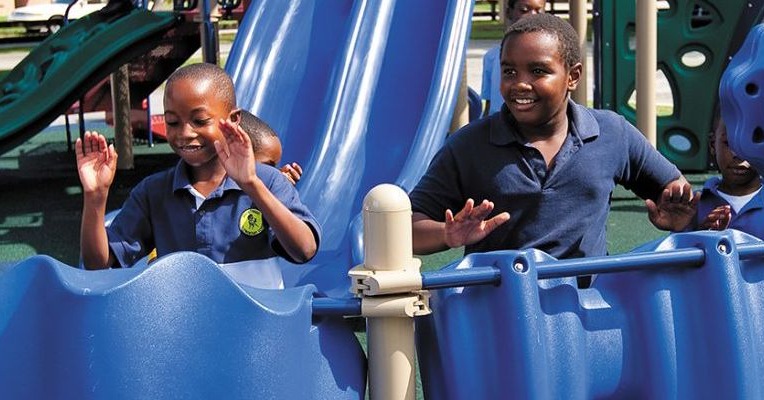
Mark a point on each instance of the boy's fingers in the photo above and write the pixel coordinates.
(78, 147)
(496, 221)
(221, 150)
(482, 211)
(449, 216)
(113, 156)
(652, 208)
(468, 205)
(101, 144)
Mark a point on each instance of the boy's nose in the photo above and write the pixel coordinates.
(522, 84)
(186, 130)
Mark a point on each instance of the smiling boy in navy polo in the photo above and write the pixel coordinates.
(549, 163)
(216, 201)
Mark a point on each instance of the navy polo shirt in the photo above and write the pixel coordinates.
(562, 211)
(161, 212)
(750, 219)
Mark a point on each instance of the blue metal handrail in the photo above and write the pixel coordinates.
(489, 275)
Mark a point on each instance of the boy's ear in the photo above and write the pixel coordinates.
(235, 115)
(574, 76)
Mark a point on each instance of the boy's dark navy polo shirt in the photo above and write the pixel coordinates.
(161, 212)
(563, 211)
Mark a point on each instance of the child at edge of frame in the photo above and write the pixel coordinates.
(734, 199)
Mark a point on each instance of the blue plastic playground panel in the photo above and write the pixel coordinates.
(741, 95)
(180, 329)
(360, 92)
(673, 332)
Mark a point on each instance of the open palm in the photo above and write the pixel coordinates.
(96, 162)
(235, 152)
(675, 208)
(469, 225)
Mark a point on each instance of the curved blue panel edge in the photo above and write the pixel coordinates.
(361, 93)
(741, 95)
(179, 329)
(669, 333)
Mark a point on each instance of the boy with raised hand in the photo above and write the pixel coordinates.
(550, 163)
(216, 201)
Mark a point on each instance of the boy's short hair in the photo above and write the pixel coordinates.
(222, 85)
(566, 35)
(256, 128)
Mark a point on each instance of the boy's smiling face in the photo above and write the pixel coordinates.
(535, 80)
(192, 111)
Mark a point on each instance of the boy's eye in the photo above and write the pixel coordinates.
(538, 71)
(202, 121)
(170, 123)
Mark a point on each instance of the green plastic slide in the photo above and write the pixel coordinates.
(64, 66)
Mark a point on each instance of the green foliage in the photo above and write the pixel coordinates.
(486, 30)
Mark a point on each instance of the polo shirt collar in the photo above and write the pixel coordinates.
(180, 180)
(503, 131)
(756, 202)
(712, 185)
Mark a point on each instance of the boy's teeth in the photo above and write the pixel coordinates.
(523, 101)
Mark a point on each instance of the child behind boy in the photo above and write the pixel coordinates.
(216, 201)
(735, 199)
(550, 163)
(489, 90)
(267, 146)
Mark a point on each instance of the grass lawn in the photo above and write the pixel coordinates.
(486, 30)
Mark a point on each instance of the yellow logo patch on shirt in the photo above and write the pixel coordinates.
(251, 222)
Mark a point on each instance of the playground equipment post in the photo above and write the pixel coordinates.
(647, 61)
(577, 11)
(389, 284)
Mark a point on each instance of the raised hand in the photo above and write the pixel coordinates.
(235, 152)
(676, 206)
(293, 172)
(718, 219)
(469, 225)
(96, 163)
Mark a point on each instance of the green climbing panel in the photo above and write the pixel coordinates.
(695, 40)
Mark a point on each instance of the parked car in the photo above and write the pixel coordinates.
(50, 17)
